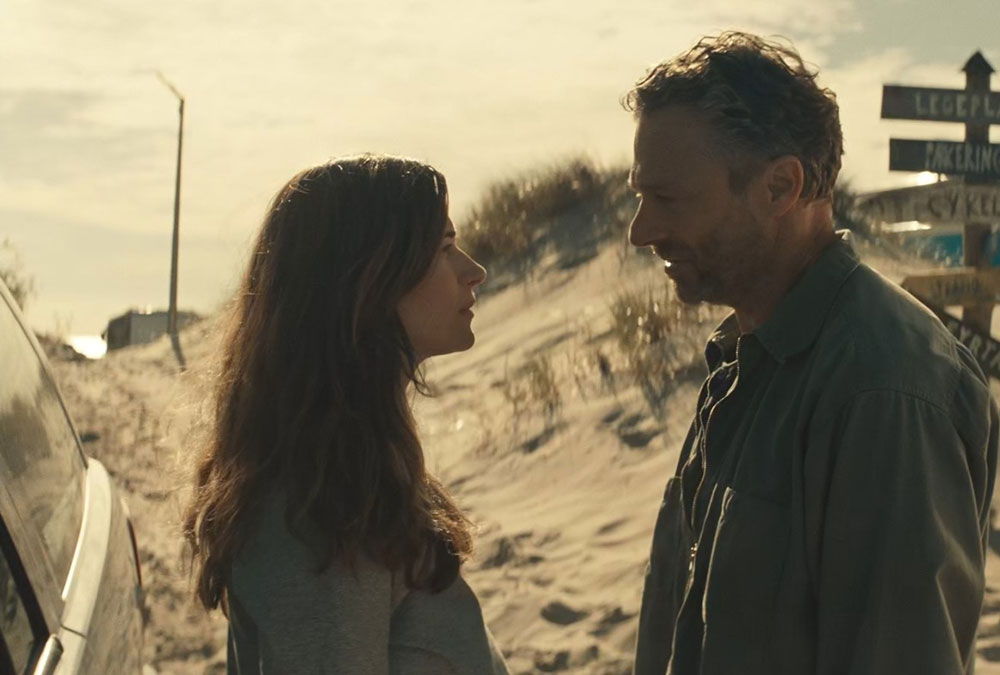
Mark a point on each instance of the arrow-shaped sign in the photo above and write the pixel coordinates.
(984, 348)
(940, 105)
(977, 159)
(937, 203)
(956, 287)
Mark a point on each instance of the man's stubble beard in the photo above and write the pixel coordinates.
(702, 290)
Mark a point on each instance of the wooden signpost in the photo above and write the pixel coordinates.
(940, 105)
(971, 196)
(982, 345)
(939, 203)
(945, 288)
(948, 157)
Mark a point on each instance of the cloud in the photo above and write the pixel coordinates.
(479, 88)
(91, 272)
(819, 23)
(51, 130)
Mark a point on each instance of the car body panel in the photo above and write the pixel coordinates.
(94, 617)
(103, 587)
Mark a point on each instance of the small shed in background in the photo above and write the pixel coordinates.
(136, 328)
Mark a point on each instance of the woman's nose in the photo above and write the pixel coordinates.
(475, 274)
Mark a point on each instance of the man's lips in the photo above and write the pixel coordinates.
(670, 257)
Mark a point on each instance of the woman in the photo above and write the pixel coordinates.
(314, 523)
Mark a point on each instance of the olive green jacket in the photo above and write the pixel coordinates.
(848, 478)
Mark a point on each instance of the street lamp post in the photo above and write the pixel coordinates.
(172, 314)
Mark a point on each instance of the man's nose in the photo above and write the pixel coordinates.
(641, 231)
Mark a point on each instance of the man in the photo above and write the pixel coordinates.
(830, 506)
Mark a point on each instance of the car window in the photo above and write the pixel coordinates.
(19, 640)
(40, 461)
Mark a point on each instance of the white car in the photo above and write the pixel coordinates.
(70, 585)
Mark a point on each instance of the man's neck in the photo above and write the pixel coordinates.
(761, 299)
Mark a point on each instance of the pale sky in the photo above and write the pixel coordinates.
(479, 89)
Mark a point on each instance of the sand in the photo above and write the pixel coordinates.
(564, 497)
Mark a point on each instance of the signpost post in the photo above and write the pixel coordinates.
(977, 83)
(971, 196)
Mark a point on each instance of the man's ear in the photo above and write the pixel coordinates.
(781, 184)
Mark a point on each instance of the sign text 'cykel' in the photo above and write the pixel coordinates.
(944, 202)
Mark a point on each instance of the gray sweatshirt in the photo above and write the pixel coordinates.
(285, 618)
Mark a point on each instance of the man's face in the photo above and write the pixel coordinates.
(711, 244)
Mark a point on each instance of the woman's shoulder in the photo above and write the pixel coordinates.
(273, 560)
(448, 624)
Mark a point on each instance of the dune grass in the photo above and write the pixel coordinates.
(551, 216)
(559, 216)
(20, 284)
(659, 337)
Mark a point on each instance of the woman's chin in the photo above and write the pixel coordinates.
(465, 343)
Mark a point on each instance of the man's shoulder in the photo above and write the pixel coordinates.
(881, 337)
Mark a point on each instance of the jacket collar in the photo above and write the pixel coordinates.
(799, 316)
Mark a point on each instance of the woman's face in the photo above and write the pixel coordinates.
(437, 312)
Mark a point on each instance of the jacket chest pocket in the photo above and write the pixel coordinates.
(666, 579)
(745, 572)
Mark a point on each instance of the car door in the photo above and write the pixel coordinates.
(71, 573)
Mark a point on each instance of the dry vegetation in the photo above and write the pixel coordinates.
(20, 284)
(555, 216)
(660, 338)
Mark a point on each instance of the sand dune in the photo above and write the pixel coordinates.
(564, 496)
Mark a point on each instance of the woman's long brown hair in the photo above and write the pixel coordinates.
(312, 391)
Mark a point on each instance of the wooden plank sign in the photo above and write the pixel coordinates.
(976, 159)
(937, 203)
(984, 348)
(940, 105)
(955, 287)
